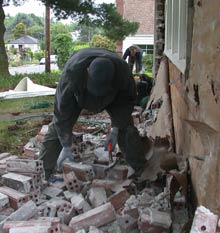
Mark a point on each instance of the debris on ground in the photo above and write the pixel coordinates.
(94, 194)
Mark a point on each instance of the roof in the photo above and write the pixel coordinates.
(24, 40)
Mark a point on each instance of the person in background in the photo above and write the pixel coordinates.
(134, 55)
(94, 79)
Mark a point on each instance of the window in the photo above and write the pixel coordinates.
(176, 32)
(147, 49)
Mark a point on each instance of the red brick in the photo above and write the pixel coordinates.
(66, 212)
(119, 198)
(72, 182)
(96, 217)
(16, 198)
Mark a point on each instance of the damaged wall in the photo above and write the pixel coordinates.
(196, 105)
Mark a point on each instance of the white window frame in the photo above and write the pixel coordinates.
(176, 32)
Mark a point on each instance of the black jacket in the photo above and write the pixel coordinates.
(72, 95)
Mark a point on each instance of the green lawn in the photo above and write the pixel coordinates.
(21, 119)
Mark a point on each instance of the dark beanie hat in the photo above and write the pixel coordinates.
(101, 74)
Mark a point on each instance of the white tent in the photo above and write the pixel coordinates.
(26, 88)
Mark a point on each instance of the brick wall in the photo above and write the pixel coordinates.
(141, 11)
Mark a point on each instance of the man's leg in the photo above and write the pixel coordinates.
(130, 143)
(50, 150)
(129, 139)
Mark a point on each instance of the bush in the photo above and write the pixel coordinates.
(148, 62)
(38, 55)
(77, 47)
(103, 42)
(63, 45)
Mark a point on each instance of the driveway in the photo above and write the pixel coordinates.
(29, 69)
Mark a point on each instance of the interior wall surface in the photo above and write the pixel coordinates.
(196, 105)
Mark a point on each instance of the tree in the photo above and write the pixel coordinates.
(84, 11)
(103, 42)
(19, 30)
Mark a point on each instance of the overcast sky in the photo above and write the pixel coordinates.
(35, 7)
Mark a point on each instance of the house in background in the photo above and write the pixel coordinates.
(141, 11)
(23, 43)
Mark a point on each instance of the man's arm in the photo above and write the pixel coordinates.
(66, 109)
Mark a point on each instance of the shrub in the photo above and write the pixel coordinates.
(148, 62)
(63, 45)
(103, 42)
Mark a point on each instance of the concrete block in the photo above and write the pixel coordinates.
(66, 212)
(97, 217)
(99, 171)
(152, 220)
(83, 172)
(4, 201)
(118, 173)
(16, 198)
(3, 161)
(4, 155)
(102, 156)
(127, 223)
(80, 204)
(24, 165)
(204, 221)
(52, 192)
(18, 182)
(25, 212)
(73, 184)
(93, 229)
(97, 196)
(119, 198)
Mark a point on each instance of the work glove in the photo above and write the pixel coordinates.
(111, 139)
(65, 154)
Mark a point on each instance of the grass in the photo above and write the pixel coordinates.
(21, 119)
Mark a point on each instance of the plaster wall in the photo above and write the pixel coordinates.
(196, 105)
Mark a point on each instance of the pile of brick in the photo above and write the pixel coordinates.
(87, 196)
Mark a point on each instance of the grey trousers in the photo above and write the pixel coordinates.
(50, 150)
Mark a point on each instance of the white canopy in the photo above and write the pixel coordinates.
(26, 88)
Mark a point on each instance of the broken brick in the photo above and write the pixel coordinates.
(4, 201)
(152, 220)
(97, 196)
(16, 198)
(97, 217)
(118, 173)
(80, 204)
(83, 172)
(119, 198)
(127, 223)
(204, 221)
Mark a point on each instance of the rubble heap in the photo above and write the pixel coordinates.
(90, 195)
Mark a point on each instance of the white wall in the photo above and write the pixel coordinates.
(137, 39)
